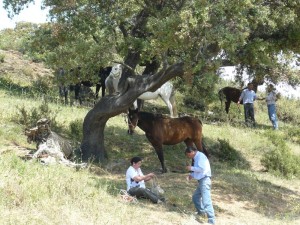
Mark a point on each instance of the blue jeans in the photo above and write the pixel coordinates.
(249, 114)
(202, 199)
(272, 115)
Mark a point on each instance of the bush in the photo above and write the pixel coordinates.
(76, 130)
(288, 111)
(280, 159)
(193, 101)
(293, 134)
(41, 86)
(231, 156)
(29, 118)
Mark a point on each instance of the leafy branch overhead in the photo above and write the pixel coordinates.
(261, 37)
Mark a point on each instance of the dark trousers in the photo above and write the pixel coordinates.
(143, 193)
(249, 114)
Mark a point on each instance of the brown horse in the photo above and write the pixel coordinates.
(162, 130)
(229, 94)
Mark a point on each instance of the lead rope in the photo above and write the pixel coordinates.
(125, 197)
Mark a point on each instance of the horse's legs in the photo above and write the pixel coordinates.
(188, 142)
(98, 86)
(103, 88)
(227, 105)
(159, 151)
(77, 92)
(200, 146)
(160, 154)
(172, 100)
(66, 91)
(168, 103)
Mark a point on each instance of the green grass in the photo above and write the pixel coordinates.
(242, 188)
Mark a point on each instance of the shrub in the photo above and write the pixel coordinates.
(27, 71)
(76, 130)
(30, 117)
(231, 156)
(193, 101)
(287, 111)
(293, 134)
(280, 159)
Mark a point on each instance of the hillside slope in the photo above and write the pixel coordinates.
(16, 67)
(34, 194)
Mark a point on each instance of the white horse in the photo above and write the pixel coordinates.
(166, 92)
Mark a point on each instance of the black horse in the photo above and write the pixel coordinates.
(82, 87)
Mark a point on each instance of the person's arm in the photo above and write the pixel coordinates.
(196, 169)
(147, 177)
(241, 97)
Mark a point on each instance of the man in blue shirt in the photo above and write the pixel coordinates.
(200, 171)
(248, 96)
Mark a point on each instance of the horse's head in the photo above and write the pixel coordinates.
(116, 71)
(132, 120)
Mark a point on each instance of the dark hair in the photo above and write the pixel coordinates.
(190, 149)
(135, 160)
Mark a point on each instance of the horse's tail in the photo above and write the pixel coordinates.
(173, 102)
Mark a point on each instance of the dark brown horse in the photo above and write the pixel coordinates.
(162, 130)
(229, 94)
(232, 94)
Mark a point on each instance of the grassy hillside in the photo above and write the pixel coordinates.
(243, 192)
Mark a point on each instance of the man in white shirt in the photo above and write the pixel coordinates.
(248, 96)
(135, 180)
(200, 171)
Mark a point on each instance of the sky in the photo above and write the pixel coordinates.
(32, 14)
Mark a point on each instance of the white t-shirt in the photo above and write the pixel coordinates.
(130, 174)
(271, 98)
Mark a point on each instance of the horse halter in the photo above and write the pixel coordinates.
(130, 124)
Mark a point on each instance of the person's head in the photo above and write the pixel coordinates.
(136, 162)
(250, 86)
(270, 87)
(190, 152)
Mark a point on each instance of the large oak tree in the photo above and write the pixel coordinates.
(186, 38)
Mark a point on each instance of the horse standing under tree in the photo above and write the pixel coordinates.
(162, 130)
(82, 88)
(232, 94)
(166, 92)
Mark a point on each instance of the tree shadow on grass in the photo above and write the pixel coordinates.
(259, 195)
